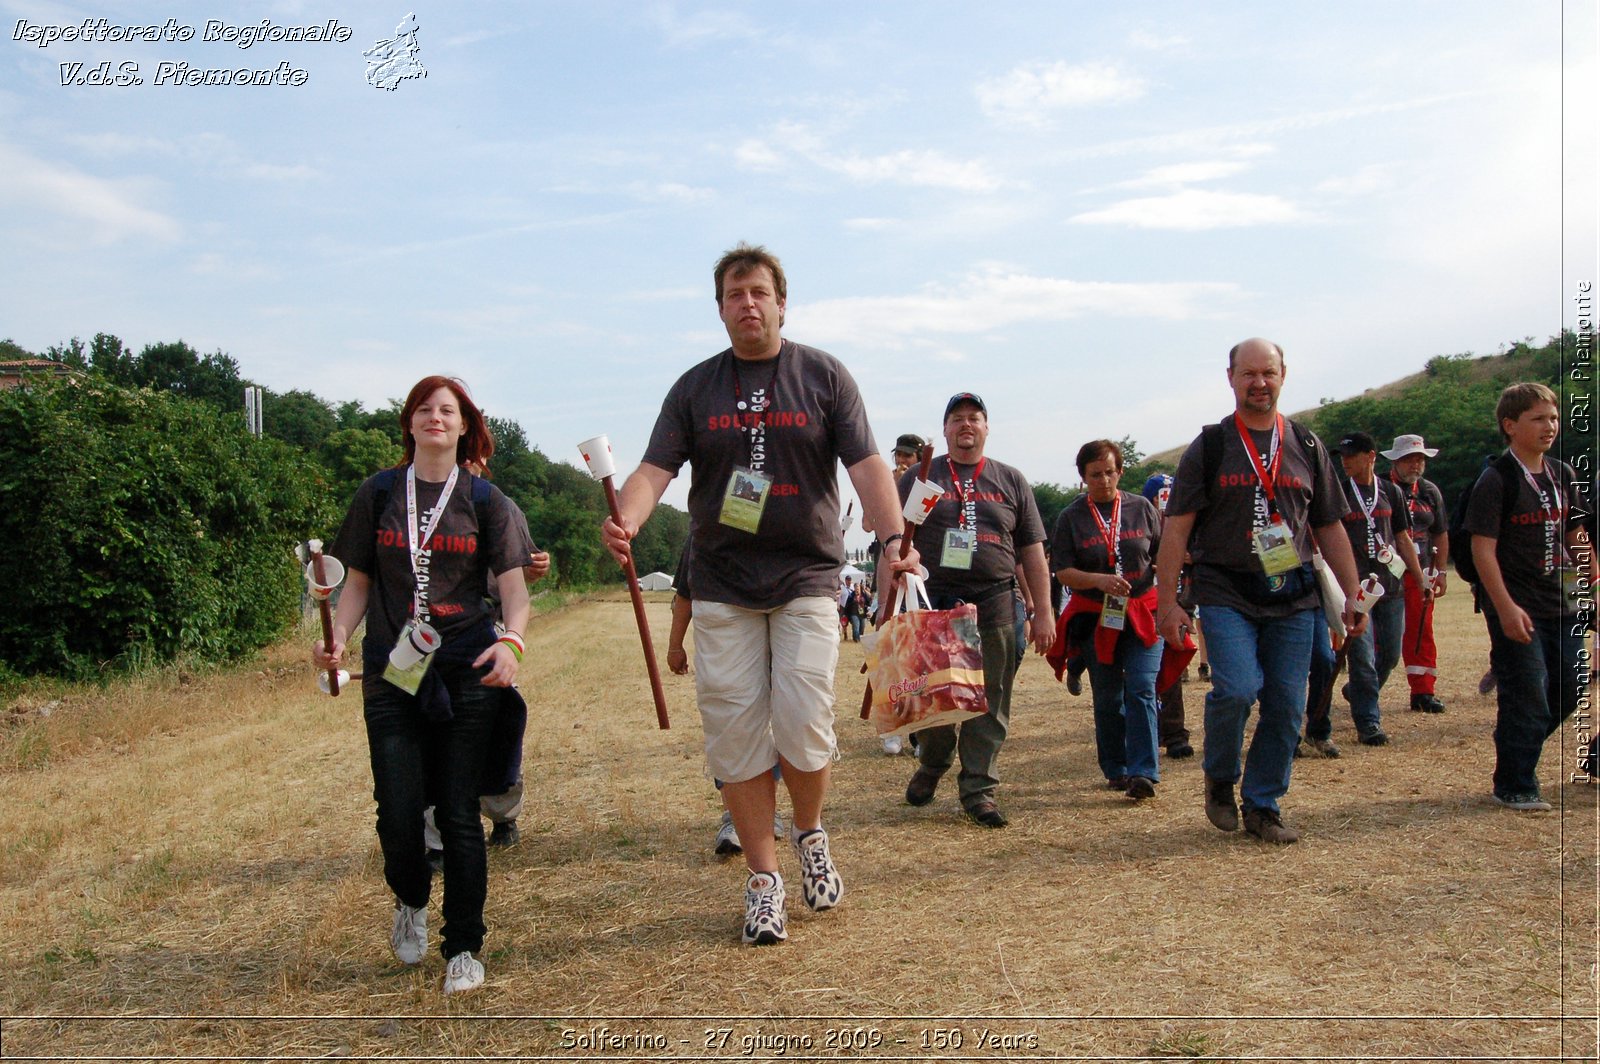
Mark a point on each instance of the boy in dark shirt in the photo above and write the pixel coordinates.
(1530, 562)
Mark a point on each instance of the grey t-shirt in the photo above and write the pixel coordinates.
(462, 558)
(1007, 520)
(1429, 520)
(813, 418)
(1530, 546)
(1080, 544)
(1231, 508)
(1389, 515)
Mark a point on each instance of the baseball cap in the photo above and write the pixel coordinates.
(1152, 487)
(964, 397)
(1356, 443)
(909, 443)
(1405, 446)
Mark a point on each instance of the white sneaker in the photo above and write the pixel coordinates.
(409, 939)
(820, 884)
(727, 836)
(462, 973)
(893, 745)
(764, 923)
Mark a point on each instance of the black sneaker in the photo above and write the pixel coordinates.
(1180, 750)
(1426, 703)
(1375, 737)
(1140, 788)
(985, 812)
(505, 834)
(1204, 671)
(1528, 802)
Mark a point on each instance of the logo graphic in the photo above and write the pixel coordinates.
(393, 61)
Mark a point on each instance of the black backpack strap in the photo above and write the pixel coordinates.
(382, 487)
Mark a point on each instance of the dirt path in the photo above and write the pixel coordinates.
(217, 859)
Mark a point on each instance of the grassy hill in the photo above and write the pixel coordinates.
(1449, 402)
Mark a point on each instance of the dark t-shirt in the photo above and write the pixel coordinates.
(813, 419)
(1078, 542)
(459, 564)
(1007, 521)
(1531, 545)
(1230, 509)
(1389, 516)
(1429, 519)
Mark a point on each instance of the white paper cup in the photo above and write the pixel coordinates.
(1368, 593)
(322, 681)
(1432, 577)
(417, 642)
(332, 572)
(596, 453)
(845, 521)
(919, 504)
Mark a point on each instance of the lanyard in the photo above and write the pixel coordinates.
(1111, 532)
(761, 400)
(969, 503)
(420, 563)
(1266, 475)
(1551, 515)
(1366, 509)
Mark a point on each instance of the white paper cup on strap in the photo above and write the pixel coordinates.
(332, 572)
(322, 681)
(845, 521)
(596, 453)
(1432, 577)
(416, 642)
(1368, 593)
(925, 494)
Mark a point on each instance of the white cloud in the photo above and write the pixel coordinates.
(670, 192)
(1185, 173)
(908, 166)
(1369, 179)
(1157, 42)
(702, 26)
(274, 172)
(1194, 209)
(996, 297)
(110, 206)
(1026, 94)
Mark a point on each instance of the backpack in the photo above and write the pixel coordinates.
(1460, 538)
(384, 483)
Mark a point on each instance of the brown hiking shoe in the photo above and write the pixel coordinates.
(1220, 807)
(920, 790)
(1268, 826)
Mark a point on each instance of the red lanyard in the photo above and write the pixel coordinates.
(1111, 532)
(1266, 475)
(969, 508)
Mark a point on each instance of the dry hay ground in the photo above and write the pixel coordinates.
(203, 846)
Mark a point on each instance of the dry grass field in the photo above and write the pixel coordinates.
(190, 872)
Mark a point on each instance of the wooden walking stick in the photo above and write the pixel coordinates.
(886, 605)
(600, 466)
(319, 576)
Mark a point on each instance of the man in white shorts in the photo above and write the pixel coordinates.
(762, 425)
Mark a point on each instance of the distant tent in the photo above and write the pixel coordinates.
(852, 572)
(656, 581)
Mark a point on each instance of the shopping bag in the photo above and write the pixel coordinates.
(925, 666)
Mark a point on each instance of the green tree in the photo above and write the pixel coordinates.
(297, 417)
(353, 455)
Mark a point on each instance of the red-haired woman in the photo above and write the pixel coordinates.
(418, 544)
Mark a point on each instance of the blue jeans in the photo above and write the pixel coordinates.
(1537, 689)
(1319, 726)
(856, 623)
(1266, 659)
(415, 763)
(1373, 656)
(1125, 708)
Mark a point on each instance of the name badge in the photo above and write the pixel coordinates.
(1114, 614)
(960, 544)
(1275, 548)
(1390, 558)
(745, 499)
(412, 654)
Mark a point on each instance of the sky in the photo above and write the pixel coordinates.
(1073, 209)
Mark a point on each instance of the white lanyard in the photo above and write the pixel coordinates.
(416, 547)
(1112, 533)
(1366, 509)
(1551, 515)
